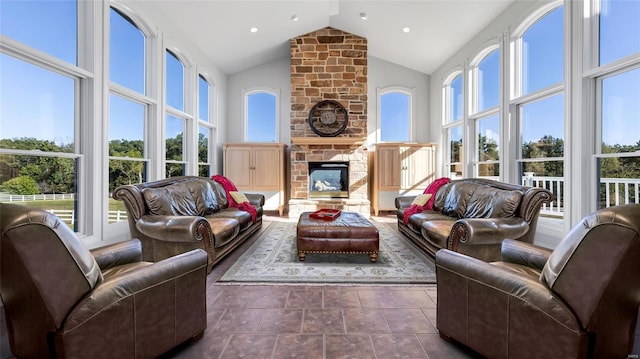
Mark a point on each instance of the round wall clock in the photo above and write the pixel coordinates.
(328, 118)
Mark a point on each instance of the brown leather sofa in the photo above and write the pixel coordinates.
(177, 214)
(579, 301)
(473, 216)
(62, 300)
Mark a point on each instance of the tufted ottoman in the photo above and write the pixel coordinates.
(349, 233)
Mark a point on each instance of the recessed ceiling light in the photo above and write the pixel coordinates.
(363, 16)
(294, 17)
(406, 30)
(254, 29)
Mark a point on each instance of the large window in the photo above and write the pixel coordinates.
(175, 119)
(453, 125)
(485, 95)
(205, 127)
(40, 100)
(261, 116)
(617, 92)
(539, 102)
(396, 114)
(128, 108)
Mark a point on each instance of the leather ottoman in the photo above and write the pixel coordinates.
(349, 233)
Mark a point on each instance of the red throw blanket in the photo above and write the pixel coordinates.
(432, 188)
(230, 187)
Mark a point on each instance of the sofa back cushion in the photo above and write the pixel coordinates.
(441, 196)
(455, 203)
(488, 202)
(186, 198)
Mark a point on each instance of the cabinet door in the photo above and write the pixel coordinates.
(237, 166)
(388, 168)
(418, 168)
(267, 167)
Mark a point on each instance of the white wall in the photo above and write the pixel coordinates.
(273, 75)
(383, 74)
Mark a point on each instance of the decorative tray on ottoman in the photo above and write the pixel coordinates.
(326, 214)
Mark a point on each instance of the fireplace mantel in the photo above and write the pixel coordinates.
(328, 140)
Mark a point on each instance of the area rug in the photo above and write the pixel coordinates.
(273, 258)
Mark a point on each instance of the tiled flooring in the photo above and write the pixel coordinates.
(318, 321)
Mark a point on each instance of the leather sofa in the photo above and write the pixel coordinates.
(177, 214)
(578, 301)
(473, 216)
(62, 300)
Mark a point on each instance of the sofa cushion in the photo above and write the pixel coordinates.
(488, 202)
(206, 202)
(441, 196)
(455, 204)
(437, 231)
(172, 200)
(244, 218)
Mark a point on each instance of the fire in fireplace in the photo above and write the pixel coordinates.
(329, 179)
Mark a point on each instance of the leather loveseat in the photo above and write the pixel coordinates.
(473, 216)
(177, 214)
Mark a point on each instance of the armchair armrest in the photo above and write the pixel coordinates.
(118, 254)
(452, 267)
(256, 199)
(524, 253)
(162, 303)
(174, 228)
(404, 201)
(482, 237)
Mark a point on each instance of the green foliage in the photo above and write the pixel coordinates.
(20, 185)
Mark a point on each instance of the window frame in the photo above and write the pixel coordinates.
(245, 111)
(448, 123)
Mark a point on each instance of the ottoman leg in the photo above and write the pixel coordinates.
(301, 256)
(373, 257)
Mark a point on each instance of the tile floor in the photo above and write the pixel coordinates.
(315, 321)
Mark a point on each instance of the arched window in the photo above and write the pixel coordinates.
(485, 94)
(538, 101)
(453, 124)
(175, 128)
(206, 127)
(395, 114)
(261, 115)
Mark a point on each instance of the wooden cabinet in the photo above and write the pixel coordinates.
(401, 169)
(260, 168)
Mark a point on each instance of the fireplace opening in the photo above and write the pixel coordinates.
(329, 179)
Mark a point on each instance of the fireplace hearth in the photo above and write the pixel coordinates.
(328, 179)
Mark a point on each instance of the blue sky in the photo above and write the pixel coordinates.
(37, 102)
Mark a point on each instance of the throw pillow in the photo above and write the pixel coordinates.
(239, 197)
(421, 199)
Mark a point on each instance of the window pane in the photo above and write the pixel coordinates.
(44, 182)
(174, 169)
(203, 171)
(174, 140)
(122, 172)
(261, 117)
(488, 138)
(619, 181)
(456, 99)
(203, 99)
(489, 170)
(455, 152)
(126, 53)
(126, 128)
(394, 116)
(542, 127)
(48, 26)
(619, 29)
(36, 104)
(621, 112)
(548, 175)
(489, 81)
(203, 145)
(175, 82)
(543, 52)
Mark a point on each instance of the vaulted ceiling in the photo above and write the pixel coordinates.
(221, 28)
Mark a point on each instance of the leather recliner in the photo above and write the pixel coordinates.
(62, 300)
(580, 300)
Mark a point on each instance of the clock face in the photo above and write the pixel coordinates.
(328, 118)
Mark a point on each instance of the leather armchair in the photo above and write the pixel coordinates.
(580, 300)
(62, 300)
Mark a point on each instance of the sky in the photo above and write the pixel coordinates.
(37, 103)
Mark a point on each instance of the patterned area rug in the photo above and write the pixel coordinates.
(273, 258)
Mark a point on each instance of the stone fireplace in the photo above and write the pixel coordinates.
(329, 64)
